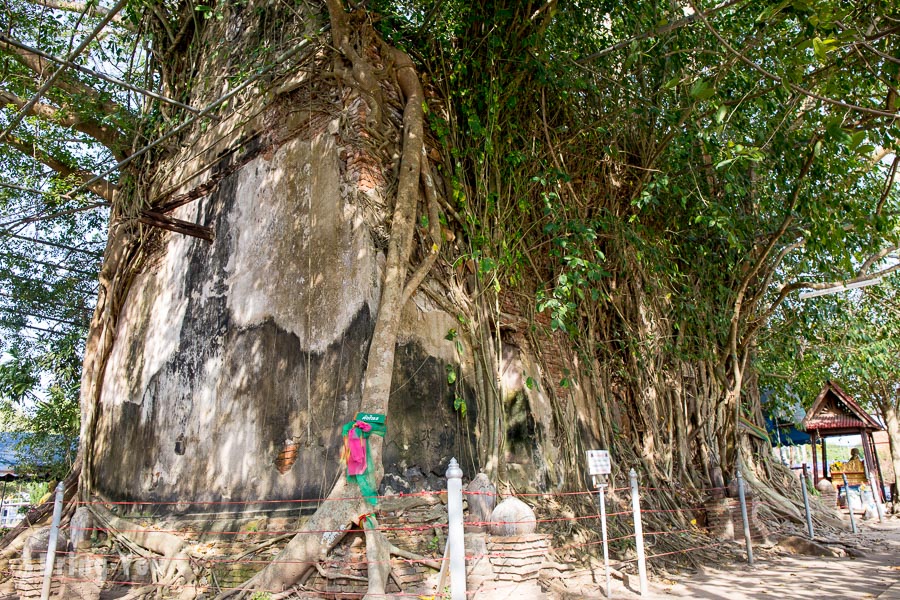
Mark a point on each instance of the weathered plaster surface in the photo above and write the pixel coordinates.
(226, 351)
(301, 256)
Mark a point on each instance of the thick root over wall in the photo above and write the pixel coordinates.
(344, 505)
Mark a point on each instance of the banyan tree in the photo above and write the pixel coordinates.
(518, 230)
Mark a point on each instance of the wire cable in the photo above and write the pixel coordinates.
(58, 72)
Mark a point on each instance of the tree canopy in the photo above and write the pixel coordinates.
(659, 179)
(648, 185)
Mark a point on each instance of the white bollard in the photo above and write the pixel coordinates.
(638, 532)
(51, 543)
(455, 536)
(803, 484)
(601, 488)
(744, 517)
(876, 496)
(849, 507)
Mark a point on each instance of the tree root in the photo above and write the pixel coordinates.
(331, 575)
(324, 529)
(378, 554)
(264, 545)
(15, 538)
(171, 547)
(140, 592)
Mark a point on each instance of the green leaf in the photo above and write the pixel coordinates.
(819, 50)
(459, 405)
(670, 84)
(721, 113)
(701, 90)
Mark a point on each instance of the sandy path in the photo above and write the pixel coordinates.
(875, 574)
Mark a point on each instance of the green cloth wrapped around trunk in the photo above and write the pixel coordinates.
(376, 425)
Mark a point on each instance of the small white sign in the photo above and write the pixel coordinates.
(598, 462)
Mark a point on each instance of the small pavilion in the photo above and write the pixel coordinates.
(834, 413)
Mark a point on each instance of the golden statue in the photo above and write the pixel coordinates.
(854, 464)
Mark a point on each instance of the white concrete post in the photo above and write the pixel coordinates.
(601, 488)
(743, 498)
(455, 535)
(638, 532)
(51, 543)
(849, 507)
(876, 496)
(803, 484)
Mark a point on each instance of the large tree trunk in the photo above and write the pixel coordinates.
(208, 360)
(891, 412)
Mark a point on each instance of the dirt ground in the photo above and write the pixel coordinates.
(870, 569)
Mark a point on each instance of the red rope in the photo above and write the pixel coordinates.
(245, 502)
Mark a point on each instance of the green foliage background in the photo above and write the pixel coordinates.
(654, 180)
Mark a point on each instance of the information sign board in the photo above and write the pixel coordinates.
(598, 462)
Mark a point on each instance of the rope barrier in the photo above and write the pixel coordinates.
(427, 527)
(672, 510)
(229, 561)
(649, 533)
(249, 533)
(683, 551)
(209, 586)
(683, 490)
(224, 560)
(355, 562)
(356, 499)
(250, 502)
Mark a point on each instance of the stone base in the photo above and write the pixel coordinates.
(74, 577)
(725, 521)
(518, 558)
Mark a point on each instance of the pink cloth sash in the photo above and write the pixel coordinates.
(356, 462)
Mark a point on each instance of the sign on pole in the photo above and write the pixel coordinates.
(599, 466)
(598, 462)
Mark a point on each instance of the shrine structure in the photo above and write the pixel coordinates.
(834, 413)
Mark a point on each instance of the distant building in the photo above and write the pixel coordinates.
(12, 509)
(8, 458)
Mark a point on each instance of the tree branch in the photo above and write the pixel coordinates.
(757, 267)
(659, 31)
(64, 117)
(888, 184)
(92, 73)
(42, 68)
(434, 229)
(801, 285)
(102, 188)
(869, 47)
(875, 258)
(785, 224)
(779, 80)
(89, 9)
